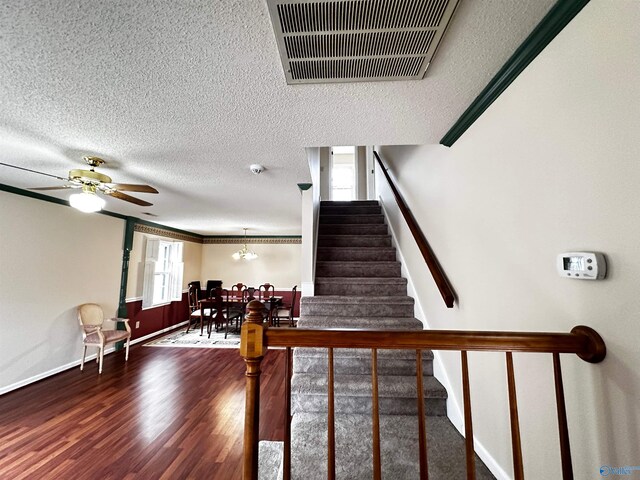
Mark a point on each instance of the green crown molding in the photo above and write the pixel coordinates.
(47, 198)
(553, 22)
(145, 226)
(136, 220)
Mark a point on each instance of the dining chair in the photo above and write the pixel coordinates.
(224, 314)
(238, 297)
(211, 284)
(265, 292)
(285, 311)
(196, 284)
(94, 334)
(196, 313)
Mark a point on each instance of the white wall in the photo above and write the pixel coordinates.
(552, 166)
(277, 264)
(53, 259)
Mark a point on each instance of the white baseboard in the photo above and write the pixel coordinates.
(159, 332)
(454, 412)
(76, 363)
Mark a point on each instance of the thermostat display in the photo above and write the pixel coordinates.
(582, 265)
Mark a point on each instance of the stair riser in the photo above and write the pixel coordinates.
(353, 241)
(376, 229)
(435, 407)
(345, 254)
(345, 269)
(342, 210)
(357, 310)
(399, 323)
(357, 289)
(352, 219)
(360, 366)
(348, 203)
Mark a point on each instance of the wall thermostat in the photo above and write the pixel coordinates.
(582, 265)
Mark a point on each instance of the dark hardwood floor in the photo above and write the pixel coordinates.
(169, 413)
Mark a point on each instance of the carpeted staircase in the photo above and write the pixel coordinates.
(359, 285)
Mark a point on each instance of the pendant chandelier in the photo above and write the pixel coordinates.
(244, 253)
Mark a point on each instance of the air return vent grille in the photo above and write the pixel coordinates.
(358, 40)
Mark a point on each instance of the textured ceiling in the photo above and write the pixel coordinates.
(185, 95)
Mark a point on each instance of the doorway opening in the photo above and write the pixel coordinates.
(343, 173)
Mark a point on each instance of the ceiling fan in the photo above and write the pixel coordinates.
(92, 182)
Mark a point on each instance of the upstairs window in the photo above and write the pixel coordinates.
(163, 272)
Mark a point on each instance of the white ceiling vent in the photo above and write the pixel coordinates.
(358, 40)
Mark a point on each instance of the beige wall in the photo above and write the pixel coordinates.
(278, 264)
(325, 173)
(53, 259)
(361, 173)
(192, 258)
(552, 166)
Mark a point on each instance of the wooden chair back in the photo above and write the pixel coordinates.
(265, 291)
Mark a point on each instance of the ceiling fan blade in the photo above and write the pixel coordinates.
(128, 198)
(62, 187)
(34, 171)
(131, 187)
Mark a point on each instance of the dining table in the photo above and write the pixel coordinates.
(217, 316)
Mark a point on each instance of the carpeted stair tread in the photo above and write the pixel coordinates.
(270, 460)
(396, 386)
(353, 229)
(328, 209)
(399, 448)
(354, 240)
(359, 286)
(357, 306)
(374, 323)
(356, 286)
(356, 254)
(367, 219)
(360, 352)
(330, 299)
(357, 361)
(358, 269)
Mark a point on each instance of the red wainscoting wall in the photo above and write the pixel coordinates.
(156, 319)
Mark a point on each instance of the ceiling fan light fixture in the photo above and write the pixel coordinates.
(244, 253)
(87, 201)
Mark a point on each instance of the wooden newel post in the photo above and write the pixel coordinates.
(252, 349)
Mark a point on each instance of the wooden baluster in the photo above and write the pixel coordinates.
(252, 349)
(422, 433)
(331, 433)
(287, 418)
(375, 412)
(468, 425)
(565, 447)
(518, 469)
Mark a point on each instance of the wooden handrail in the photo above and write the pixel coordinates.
(437, 273)
(583, 341)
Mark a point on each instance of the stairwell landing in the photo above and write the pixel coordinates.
(359, 285)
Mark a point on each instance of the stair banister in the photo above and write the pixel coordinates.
(430, 259)
(256, 338)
